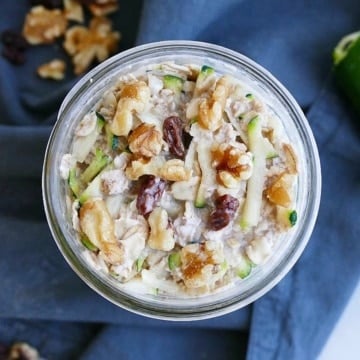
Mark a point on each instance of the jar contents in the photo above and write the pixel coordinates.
(181, 181)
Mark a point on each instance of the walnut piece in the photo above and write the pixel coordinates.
(55, 69)
(145, 140)
(201, 264)
(73, 10)
(85, 45)
(22, 350)
(174, 170)
(144, 166)
(43, 26)
(98, 226)
(161, 235)
(133, 98)
(232, 164)
(103, 7)
(211, 109)
(280, 191)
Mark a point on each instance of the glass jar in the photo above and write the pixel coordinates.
(87, 93)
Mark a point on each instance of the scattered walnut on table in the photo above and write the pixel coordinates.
(43, 26)
(24, 351)
(85, 45)
(103, 7)
(55, 70)
(73, 10)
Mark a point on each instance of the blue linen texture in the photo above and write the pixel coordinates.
(43, 302)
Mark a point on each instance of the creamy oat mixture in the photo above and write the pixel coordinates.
(181, 181)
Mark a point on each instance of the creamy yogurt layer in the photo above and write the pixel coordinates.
(181, 181)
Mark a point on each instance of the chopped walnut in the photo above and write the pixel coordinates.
(145, 140)
(201, 264)
(54, 69)
(144, 166)
(133, 98)
(98, 226)
(43, 26)
(232, 164)
(280, 190)
(161, 235)
(73, 10)
(85, 45)
(22, 350)
(103, 7)
(211, 110)
(174, 170)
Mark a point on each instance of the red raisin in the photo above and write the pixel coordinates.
(13, 39)
(173, 133)
(225, 209)
(150, 192)
(15, 56)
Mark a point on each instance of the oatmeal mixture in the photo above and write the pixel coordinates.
(181, 181)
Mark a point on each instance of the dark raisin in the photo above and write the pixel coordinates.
(150, 192)
(173, 134)
(49, 4)
(15, 56)
(4, 352)
(13, 39)
(224, 212)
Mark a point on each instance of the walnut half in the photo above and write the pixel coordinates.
(85, 45)
(133, 98)
(145, 140)
(43, 26)
(98, 226)
(54, 70)
(161, 235)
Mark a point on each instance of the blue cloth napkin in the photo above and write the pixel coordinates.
(294, 41)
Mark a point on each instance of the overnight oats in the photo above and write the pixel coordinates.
(181, 180)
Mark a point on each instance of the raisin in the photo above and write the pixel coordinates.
(15, 56)
(173, 133)
(150, 192)
(13, 39)
(14, 46)
(225, 209)
(4, 352)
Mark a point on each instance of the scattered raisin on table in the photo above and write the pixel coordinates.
(224, 212)
(14, 46)
(14, 39)
(16, 57)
